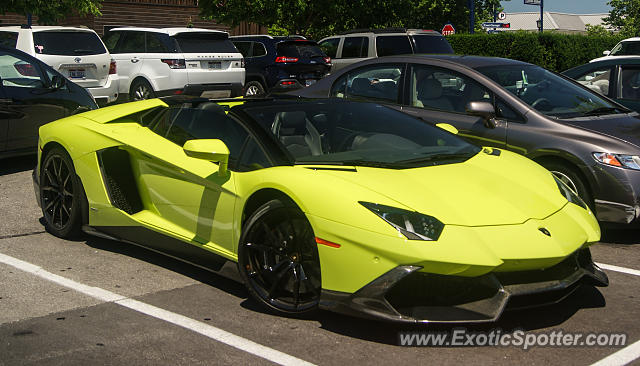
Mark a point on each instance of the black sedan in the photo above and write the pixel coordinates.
(587, 140)
(618, 78)
(32, 94)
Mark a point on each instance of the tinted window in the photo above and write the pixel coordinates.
(244, 47)
(67, 43)
(183, 124)
(503, 110)
(258, 49)
(132, 42)
(393, 45)
(431, 44)
(379, 82)
(437, 88)
(302, 49)
(155, 44)
(253, 158)
(8, 39)
(626, 48)
(111, 40)
(195, 42)
(330, 46)
(16, 72)
(597, 80)
(547, 92)
(355, 47)
(630, 83)
(333, 132)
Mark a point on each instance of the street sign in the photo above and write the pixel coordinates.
(448, 30)
(502, 15)
(532, 2)
(496, 25)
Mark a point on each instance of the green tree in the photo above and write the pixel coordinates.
(319, 18)
(50, 11)
(624, 17)
(597, 30)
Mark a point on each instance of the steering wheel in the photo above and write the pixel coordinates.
(538, 101)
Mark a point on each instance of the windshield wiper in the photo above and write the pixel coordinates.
(443, 156)
(601, 111)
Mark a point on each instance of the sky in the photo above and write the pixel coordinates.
(562, 6)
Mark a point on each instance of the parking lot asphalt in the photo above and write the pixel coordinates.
(104, 302)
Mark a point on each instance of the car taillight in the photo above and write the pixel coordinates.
(282, 59)
(287, 82)
(327, 60)
(112, 67)
(175, 63)
(26, 69)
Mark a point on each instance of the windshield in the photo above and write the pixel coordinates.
(67, 43)
(365, 134)
(626, 49)
(431, 44)
(549, 93)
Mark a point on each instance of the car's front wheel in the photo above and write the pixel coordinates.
(278, 259)
(60, 194)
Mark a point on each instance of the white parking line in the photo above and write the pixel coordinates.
(207, 330)
(610, 267)
(623, 357)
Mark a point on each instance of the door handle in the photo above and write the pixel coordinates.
(135, 59)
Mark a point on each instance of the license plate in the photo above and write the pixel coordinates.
(215, 65)
(309, 82)
(216, 94)
(77, 74)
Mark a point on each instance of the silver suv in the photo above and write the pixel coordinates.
(77, 53)
(350, 47)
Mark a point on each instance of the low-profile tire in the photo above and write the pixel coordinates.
(141, 90)
(254, 89)
(571, 178)
(60, 195)
(278, 259)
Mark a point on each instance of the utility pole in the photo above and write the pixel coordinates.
(541, 15)
(472, 15)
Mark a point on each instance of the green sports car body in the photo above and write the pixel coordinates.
(352, 207)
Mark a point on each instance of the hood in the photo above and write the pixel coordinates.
(624, 127)
(484, 190)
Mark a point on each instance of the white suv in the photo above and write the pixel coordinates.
(162, 61)
(77, 53)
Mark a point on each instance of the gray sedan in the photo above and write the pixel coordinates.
(586, 139)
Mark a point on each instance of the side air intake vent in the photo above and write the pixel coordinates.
(117, 175)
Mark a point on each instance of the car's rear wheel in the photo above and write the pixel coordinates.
(572, 179)
(60, 194)
(254, 89)
(141, 90)
(278, 259)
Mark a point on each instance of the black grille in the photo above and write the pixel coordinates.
(119, 181)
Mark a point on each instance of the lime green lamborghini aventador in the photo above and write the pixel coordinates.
(346, 206)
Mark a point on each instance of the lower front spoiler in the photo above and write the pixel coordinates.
(404, 294)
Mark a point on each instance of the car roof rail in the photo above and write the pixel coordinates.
(373, 30)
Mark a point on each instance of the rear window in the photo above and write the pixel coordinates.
(194, 42)
(67, 43)
(393, 45)
(8, 39)
(431, 44)
(301, 49)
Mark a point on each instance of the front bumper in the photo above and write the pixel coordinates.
(407, 294)
(617, 194)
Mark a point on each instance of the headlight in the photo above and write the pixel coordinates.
(413, 225)
(620, 160)
(569, 194)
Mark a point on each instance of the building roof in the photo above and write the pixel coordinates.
(562, 22)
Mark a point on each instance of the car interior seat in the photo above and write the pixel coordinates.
(297, 134)
(429, 93)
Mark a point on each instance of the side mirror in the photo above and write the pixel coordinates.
(57, 82)
(606, 53)
(447, 127)
(484, 110)
(209, 149)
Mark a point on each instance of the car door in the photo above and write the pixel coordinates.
(186, 195)
(440, 95)
(28, 102)
(127, 48)
(627, 91)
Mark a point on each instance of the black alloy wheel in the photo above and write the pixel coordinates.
(60, 194)
(278, 259)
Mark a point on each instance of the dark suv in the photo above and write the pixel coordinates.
(280, 62)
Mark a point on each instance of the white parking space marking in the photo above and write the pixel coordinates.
(609, 267)
(623, 357)
(207, 330)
